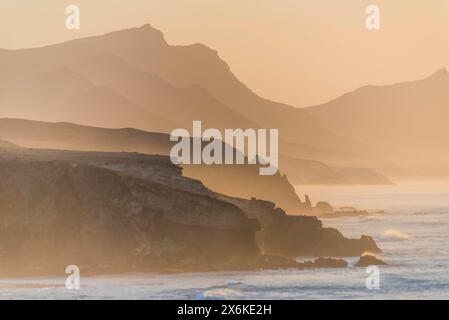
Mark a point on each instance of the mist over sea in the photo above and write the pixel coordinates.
(413, 232)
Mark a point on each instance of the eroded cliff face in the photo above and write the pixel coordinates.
(295, 236)
(112, 212)
(57, 213)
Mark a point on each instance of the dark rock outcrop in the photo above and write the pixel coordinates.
(325, 210)
(294, 236)
(326, 263)
(369, 260)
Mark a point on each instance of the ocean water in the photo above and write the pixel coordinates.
(413, 233)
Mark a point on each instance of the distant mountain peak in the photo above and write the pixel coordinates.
(440, 73)
(143, 33)
(150, 30)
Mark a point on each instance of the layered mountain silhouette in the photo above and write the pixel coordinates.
(407, 120)
(61, 94)
(241, 181)
(306, 171)
(134, 78)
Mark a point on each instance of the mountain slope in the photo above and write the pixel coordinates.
(408, 120)
(305, 171)
(180, 104)
(62, 95)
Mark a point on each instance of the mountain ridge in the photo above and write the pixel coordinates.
(406, 119)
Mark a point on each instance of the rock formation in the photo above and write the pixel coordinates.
(326, 263)
(369, 260)
(325, 210)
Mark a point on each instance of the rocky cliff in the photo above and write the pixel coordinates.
(111, 212)
(294, 236)
(56, 213)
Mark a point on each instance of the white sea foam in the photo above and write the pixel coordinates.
(369, 218)
(220, 293)
(396, 234)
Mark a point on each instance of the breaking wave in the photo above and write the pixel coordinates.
(219, 294)
(397, 235)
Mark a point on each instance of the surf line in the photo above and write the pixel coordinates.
(250, 147)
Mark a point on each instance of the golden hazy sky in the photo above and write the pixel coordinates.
(294, 51)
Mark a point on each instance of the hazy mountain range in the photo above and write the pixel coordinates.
(133, 78)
